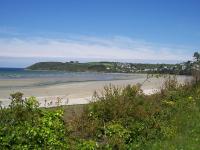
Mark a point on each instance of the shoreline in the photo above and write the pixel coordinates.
(81, 92)
(63, 100)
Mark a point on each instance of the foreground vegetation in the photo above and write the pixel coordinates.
(116, 119)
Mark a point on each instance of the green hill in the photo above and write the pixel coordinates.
(70, 66)
(74, 66)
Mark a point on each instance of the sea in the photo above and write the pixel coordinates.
(63, 76)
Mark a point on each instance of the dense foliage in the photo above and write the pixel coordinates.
(127, 119)
(25, 126)
(118, 118)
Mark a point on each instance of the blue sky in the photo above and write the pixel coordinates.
(125, 30)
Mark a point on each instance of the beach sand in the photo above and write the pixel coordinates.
(71, 93)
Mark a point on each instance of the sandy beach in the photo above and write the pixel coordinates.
(71, 93)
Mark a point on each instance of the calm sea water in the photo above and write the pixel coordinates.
(20, 73)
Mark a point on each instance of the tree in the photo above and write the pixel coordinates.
(197, 56)
(196, 67)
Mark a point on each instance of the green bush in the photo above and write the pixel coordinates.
(25, 126)
(125, 118)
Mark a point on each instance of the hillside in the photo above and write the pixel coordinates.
(69, 66)
(74, 66)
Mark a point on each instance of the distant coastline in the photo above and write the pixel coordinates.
(114, 67)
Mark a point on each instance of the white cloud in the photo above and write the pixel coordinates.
(90, 47)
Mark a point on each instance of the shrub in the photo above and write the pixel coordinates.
(26, 126)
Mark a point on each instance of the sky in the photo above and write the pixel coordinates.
(146, 31)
